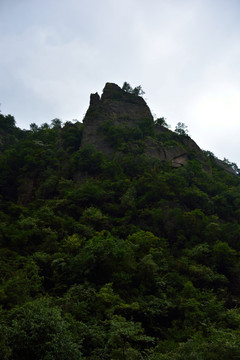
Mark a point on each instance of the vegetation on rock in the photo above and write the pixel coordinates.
(117, 255)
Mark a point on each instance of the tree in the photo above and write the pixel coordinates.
(162, 122)
(127, 87)
(181, 129)
(56, 123)
(138, 91)
(34, 127)
(38, 331)
(126, 339)
(7, 122)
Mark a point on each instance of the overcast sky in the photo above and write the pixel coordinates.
(184, 53)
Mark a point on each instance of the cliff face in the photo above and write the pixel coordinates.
(125, 110)
(122, 108)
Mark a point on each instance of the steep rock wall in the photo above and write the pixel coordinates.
(127, 110)
(122, 108)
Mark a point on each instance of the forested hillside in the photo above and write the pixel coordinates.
(119, 239)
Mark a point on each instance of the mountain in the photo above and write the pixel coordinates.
(130, 118)
(119, 117)
(119, 239)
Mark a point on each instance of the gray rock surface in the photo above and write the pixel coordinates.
(127, 110)
(122, 108)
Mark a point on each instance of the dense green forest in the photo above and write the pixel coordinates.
(115, 256)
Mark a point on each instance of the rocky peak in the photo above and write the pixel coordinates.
(94, 99)
(111, 91)
(124, 109)
(114, 92)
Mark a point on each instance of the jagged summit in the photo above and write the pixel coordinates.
(113, 91)
(116, 105)
(120, 121)
(121, 111)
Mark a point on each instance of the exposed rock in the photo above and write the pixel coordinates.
(115, 104)
(94, 100)
(154, 149)
(124, 109)
(177, 155)
(225, 166)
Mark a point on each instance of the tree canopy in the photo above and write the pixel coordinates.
(115, 257)
(138, 91)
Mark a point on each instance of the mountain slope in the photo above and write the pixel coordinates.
(119, 117)
(119, 239)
